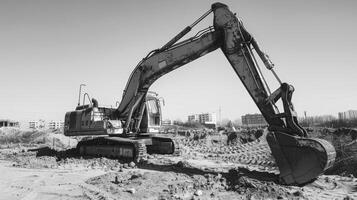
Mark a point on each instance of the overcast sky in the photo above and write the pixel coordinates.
(47, 48)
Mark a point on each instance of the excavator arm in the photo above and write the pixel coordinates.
(236, 43)
(299, 159)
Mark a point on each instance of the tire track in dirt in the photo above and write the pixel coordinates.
(94, 193)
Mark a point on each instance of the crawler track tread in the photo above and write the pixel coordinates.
(141, 153)
(177, 147)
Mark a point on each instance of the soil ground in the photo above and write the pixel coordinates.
(45, 173)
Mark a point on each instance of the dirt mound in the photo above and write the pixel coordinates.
(8, 136)
(44, 151)
(46, 157)
(348, 132)
(54, 138)
(241, 181)
(235, 184)
(25, 159)
(168, 185)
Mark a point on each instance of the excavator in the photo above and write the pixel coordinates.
(126, 129)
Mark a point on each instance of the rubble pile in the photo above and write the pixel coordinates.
(96, 163)
(24, 159)
(235, 184)
(49, 158)
(170, 185)
(253, 189)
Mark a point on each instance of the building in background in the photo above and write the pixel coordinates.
(37, 124)
(347, 115)
(193, 118)
(8, 123)
(206, 119)
(33, 124)
(55, 125)
(253, 120)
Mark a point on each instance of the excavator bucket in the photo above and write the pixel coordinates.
(300, 160)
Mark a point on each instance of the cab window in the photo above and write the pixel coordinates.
(152, 107)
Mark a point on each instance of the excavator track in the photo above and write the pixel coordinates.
(162, 144)
(133, 149)
(114, 147)
(177, 146)
(140, 149)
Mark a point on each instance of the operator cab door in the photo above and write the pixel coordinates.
(154, 112)
(151, 120)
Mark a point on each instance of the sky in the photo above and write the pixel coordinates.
(48, 48)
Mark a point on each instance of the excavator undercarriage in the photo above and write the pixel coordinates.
(107, 137)
(128, 148)
(128, 129)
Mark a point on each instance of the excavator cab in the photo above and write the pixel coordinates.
(90, 119)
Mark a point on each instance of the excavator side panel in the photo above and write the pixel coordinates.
(81, 122)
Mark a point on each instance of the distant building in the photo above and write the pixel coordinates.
(166, 122)
(8, 123)
(55, 125)
(33, 124)
(37, 124)
(350, 114)
(193, 118)
(253, 120)
(208, 119)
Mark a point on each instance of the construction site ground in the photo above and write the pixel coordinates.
(208, 168)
